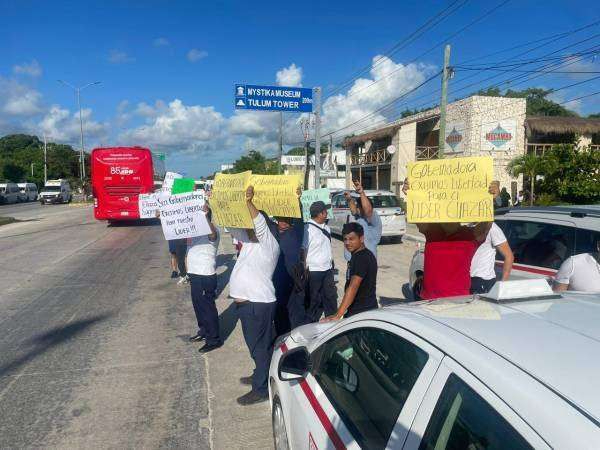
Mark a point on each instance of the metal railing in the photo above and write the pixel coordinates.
(374, 157)
(424, 153)
(540, 149)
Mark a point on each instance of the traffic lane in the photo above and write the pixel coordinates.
(93, 350)
(34, 210)
(17, 208)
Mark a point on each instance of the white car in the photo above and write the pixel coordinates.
(56, 191)
(541, 238)
(385, 203)
(9, 193)
(460, 373)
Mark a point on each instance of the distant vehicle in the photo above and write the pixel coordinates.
(119, 175)
(29, 192)
(9, 193)
(541, 238)
(56, 191)
(512, 371)
(385, 203)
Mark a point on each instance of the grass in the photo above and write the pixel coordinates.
(6, 220)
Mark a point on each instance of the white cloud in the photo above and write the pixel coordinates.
(33, 69)
(61, 125)
(561, 98)
(289, 76)
(145, 110)
(161, 42)
(195, 55)
(119, 57)
(17, 99)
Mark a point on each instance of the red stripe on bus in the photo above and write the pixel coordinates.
(530, 269)
(318, 409)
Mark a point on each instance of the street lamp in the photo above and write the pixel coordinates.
(78, 93)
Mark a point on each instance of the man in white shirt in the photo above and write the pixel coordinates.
(364, 214)
(202, 272)
(251, 287)
(580, 272)
(483, 275)
(318, 260)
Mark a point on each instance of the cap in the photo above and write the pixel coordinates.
(318, 207)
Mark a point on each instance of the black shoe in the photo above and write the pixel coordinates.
(174, 274)
(210, 347)
(252, 398)
(196, 338)
(246, 380)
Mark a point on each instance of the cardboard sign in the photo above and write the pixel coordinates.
(181, 185)
(168, 181)
(276, 194)
(228, 200)
(314, 195)
(148, 205)
(181, 215)
(450, 190)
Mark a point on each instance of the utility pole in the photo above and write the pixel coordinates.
(32, 169)
(333, 161)
(317, 113)
(280, 139)
(45, 160)
(305, 127)
(443, 102)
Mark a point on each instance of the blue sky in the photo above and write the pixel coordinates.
(168, 68)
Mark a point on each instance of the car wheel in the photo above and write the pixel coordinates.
(280, 438)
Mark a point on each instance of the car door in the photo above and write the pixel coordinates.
(364, 388)
(460, 412)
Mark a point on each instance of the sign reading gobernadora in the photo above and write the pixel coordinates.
(181, 215)
(148, 205)
(450, 190)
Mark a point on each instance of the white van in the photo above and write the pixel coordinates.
(9, 193)
(56, 191)
(29, 192)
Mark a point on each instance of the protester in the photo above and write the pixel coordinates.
(202, 272)
(504, 198)
(319, 262)
(519, 200)
(251, 287)
(180, 253)
(483, 275)
(361, 278)
(363, 213)
(173, 254)
(580, 272)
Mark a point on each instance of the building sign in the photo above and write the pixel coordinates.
(455, 137)
(293, 160)
(499, 135)
(273, 98)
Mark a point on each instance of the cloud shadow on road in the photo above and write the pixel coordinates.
(52, 338)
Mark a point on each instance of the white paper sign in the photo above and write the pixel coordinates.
(148, 205)
(181, 215)
(168, 182)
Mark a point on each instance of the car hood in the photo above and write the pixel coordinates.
(307, 333)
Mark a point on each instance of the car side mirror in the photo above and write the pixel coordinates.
(294, 364)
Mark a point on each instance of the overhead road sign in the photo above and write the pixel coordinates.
(273, 98)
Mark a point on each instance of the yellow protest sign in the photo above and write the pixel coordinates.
(450, 190)
(276, 194)
(228, 200)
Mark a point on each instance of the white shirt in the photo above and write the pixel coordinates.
(251, 276)
(202, 255)
(581, 272)
(317, 246)
(372, 231)
(482, 264)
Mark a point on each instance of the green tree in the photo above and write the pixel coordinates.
(528, 165)
(12, 172)
(257, 163)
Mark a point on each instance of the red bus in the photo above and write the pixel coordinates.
(119, 174)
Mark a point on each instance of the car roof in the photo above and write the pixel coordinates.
(581, 216)
(555, 341)
(368, 192)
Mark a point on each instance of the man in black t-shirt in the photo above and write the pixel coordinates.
(360, 290)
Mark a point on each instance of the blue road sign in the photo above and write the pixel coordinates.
(273, 98)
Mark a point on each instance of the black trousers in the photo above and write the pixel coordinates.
(204, 289)
(322, 293)
(481, 286)
(283, 289)
(297, 309)
(180, 253)
(257, 327)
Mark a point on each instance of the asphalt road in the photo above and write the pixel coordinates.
(93, 349)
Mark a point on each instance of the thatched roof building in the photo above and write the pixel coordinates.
(561, 125)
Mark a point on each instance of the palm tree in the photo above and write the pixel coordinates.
(528, 165)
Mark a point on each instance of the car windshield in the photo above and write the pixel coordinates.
(384, 201)
(52, 188)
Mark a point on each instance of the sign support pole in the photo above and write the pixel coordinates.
(443, 102)
(280, 140)
(45, 160)
(317, 113)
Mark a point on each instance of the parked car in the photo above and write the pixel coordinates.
(385, 203)
(456, 373)
(29, 192)
(56, 191)
(541, 238)
(9, 193)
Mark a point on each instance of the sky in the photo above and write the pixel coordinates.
(167, 68)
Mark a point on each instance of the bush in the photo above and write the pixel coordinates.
(547, 200)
